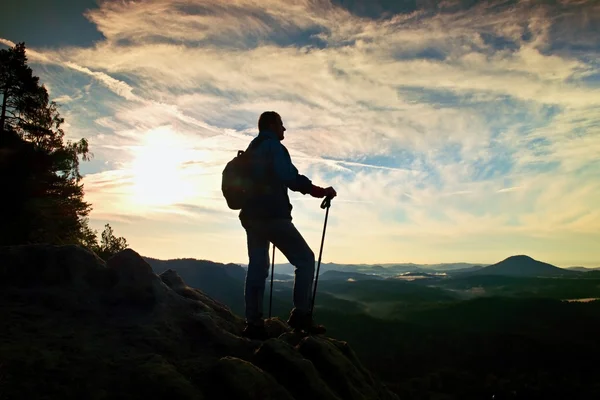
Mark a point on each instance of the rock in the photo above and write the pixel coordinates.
(291, 370)
(241, 380)
(226, 320)
(48, 266)
(205, 330)
(349, 380)
(292, 338)
(351, 356)
(173, 280)
(136, 283)
(276, 327)
(161, 380)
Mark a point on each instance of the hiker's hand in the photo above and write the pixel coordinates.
(317, 191)
(330, 192)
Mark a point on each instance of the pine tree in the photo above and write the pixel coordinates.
(21, 93)
(44, 201)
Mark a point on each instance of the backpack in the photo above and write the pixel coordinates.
(237, 183)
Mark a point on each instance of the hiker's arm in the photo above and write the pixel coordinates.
(288, 173)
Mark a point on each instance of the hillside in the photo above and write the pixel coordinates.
(332, 275)
(524, 266)
(197, 268)
(582, 269)
(74, 327)
(222, 282)
(464, 270)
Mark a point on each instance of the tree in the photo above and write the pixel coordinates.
(26, 110)
(109, 243)
(39, 169)
(21, 93)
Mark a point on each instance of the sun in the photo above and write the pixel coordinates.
(157, 169)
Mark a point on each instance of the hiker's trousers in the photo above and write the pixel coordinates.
(284, 235)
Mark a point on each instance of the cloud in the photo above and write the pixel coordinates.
(7, 42)
(435, 125)
(118, 87)
(509, 189)
(63, 99)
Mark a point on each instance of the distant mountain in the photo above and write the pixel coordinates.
(583, 269)
(277, 276)
(199, 267)
(383, 270)
(377, 269)
(465, 270)
(595, 273)
(523, 265)
(411, 276)
(344, 276)
(288, 268)
(283, 277)
(454, 267)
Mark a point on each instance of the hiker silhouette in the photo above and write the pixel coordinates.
(267, 218)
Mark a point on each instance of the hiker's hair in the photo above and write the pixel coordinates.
(266, 119)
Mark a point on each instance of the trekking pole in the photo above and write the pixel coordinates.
(272, 270)
(325, 204)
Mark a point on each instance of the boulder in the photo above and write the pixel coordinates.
(292, 370)
(46, 266)
(241, 380)
(343, 374)
(276, 327)
(135, 282)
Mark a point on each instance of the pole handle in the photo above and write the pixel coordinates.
(326, 203)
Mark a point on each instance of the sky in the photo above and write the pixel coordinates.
(452, 131)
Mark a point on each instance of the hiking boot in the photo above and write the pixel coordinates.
(255, 332)
(301, 322)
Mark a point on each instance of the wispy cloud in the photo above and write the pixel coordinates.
(509, 189)
(120, 88)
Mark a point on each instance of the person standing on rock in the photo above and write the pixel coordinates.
(267, 219)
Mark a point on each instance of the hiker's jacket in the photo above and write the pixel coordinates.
(273, 167)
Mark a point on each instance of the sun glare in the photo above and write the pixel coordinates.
(158, 176)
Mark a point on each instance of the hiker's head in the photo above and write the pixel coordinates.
(271, 121)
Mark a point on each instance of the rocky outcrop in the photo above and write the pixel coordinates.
(239, 379)
(144, 334)
(295, 372)
(51, 266)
